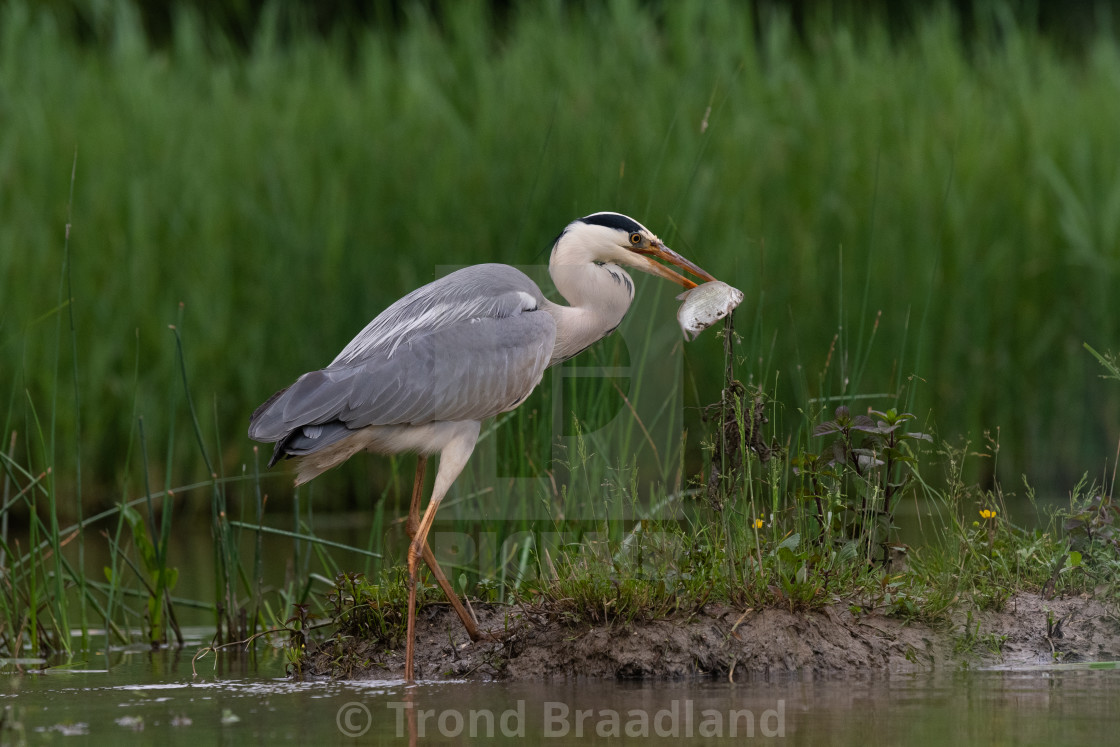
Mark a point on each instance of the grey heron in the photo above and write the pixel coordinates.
(423, 375)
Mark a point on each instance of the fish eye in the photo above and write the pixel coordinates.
(635, 238)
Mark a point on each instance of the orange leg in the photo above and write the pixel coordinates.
(413, 523)
(453, 458)
(416, 550)
(429, 557)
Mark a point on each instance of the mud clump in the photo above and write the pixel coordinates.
(724, 642)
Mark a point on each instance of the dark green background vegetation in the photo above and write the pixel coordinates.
(925, 208)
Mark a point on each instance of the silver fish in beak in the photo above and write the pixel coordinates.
(704, 305)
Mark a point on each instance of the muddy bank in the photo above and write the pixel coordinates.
(720, 641)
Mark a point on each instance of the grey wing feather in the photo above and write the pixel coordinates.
(468, 346)
(478, 291)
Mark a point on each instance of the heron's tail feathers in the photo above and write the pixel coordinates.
(261, 426)
(272, 423)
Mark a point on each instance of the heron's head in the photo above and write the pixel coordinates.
(617, 239)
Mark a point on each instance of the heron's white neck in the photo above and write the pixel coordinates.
(599, 296)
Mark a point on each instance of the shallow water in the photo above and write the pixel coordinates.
(145, 697)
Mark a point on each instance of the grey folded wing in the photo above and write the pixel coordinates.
(462, 348)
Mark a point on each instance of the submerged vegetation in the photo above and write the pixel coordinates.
(926, 244)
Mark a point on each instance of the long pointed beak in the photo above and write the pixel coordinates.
(660, 251)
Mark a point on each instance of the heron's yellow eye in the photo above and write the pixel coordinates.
(635, 238)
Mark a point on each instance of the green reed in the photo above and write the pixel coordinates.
(845, 182)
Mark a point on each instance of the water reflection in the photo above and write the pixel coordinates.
(144, 697)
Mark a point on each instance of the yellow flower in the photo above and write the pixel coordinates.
(987, 513)
(758, 523)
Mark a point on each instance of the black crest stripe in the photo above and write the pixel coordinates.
(613, 220)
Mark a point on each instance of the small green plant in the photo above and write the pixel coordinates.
(971, 642)
(605, 582)
(1094, 519)
(872, 454)
(366, 610)
(158, 578)
(1092, 527)
(298, 625)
